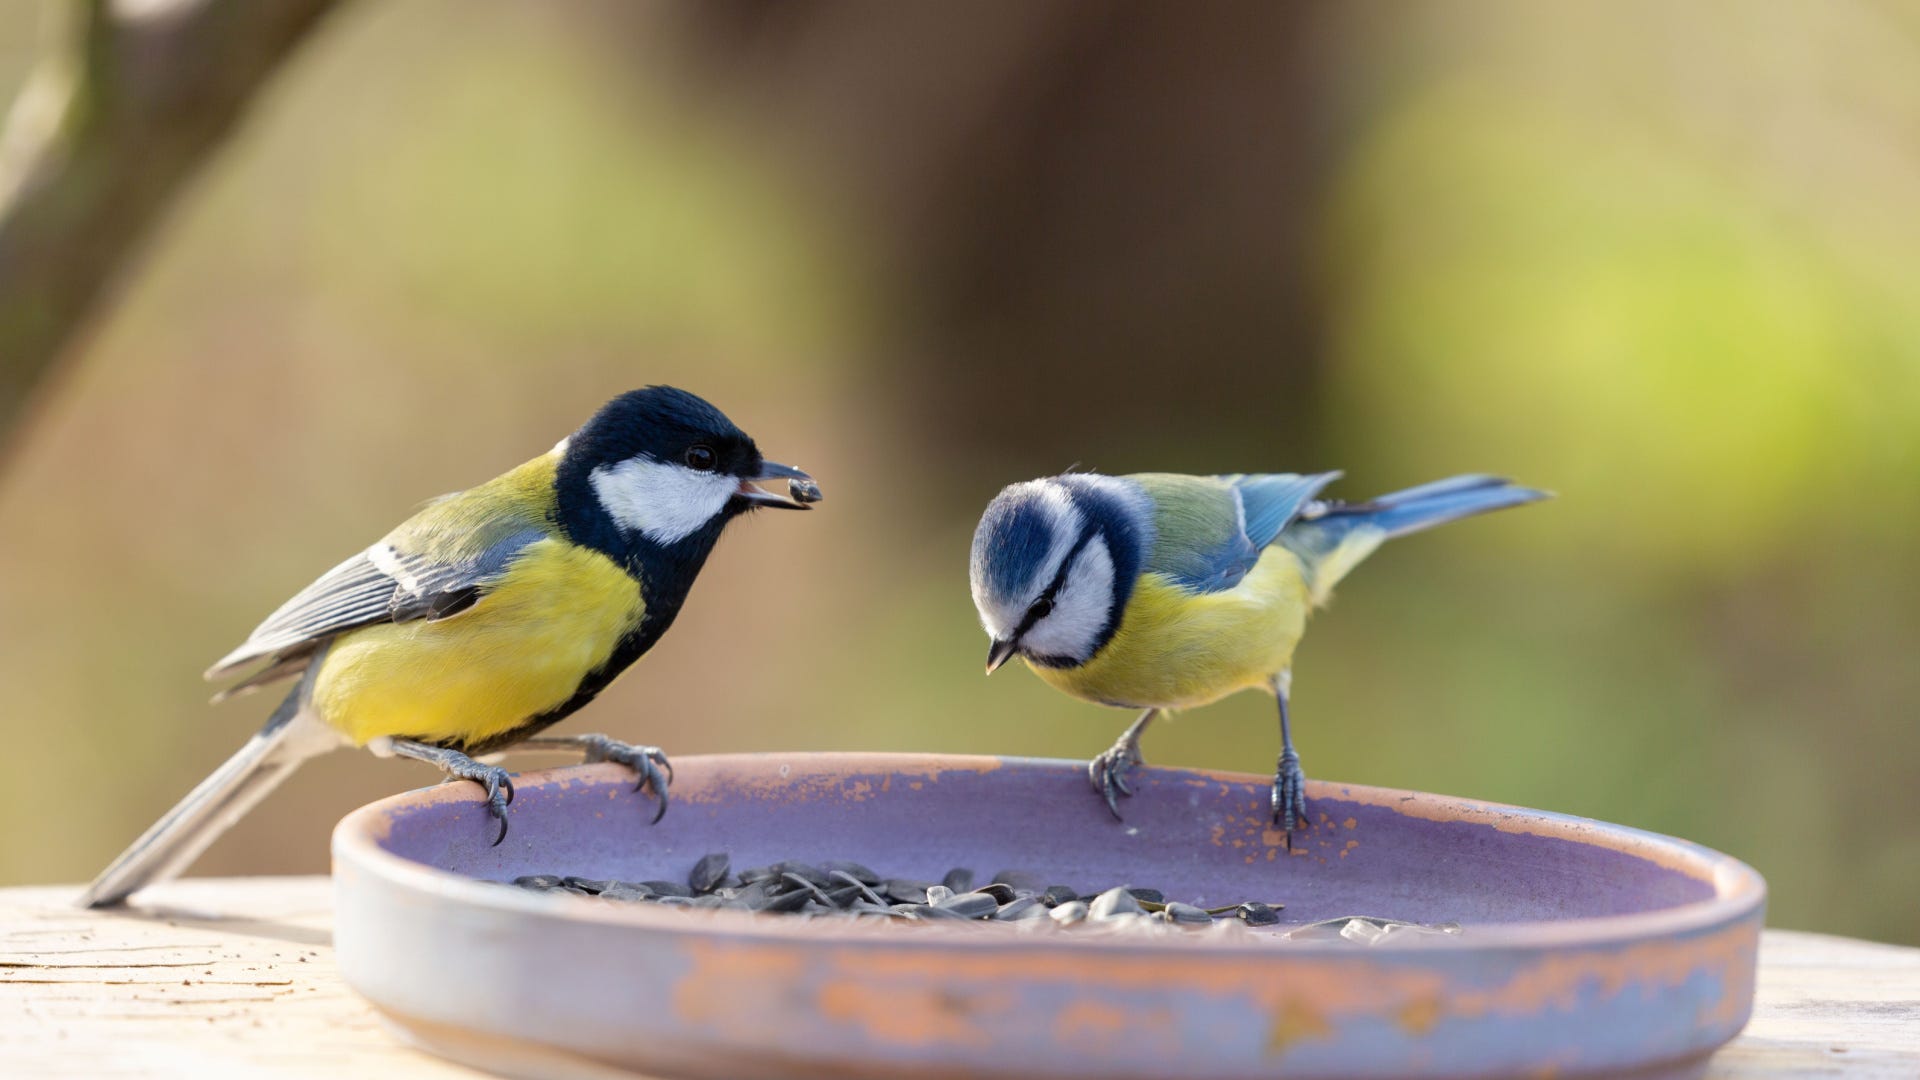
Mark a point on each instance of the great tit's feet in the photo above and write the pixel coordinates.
(1108, 772)
(650, 762)
(1289, 794)
(494, 780)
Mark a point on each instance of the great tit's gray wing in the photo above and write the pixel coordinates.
(432, 567)
(1210, 530)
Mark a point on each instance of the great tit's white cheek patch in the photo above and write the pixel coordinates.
(663, 502)
(1080, 609)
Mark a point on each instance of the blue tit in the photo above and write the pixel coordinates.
(487, 617)
(1160, 591)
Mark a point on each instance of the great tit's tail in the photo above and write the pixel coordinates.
(290, 737)
(1332, 538)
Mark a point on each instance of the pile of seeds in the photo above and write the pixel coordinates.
(850, 890)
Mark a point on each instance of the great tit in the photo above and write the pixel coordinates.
(487, 617)
(1160, 591)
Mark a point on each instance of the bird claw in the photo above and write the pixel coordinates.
(1108, 773)
(1289, 794)
(650, 762)
(494, 780)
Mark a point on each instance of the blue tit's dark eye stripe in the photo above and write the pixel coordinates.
(1043, 606)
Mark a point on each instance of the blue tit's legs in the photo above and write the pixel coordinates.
(1289, 782)
(458, 766)
(1108, 772)
(649, 762)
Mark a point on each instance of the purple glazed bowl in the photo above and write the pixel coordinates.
(1589, 949)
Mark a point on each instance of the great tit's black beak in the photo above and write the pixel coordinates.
(802, 492)
(999, 653)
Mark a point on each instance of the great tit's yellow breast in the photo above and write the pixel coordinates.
(1178, 649)
(521, 650)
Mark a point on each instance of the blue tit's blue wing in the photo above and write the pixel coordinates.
(1210, 530)
(1273, 500)
(1198, 541)
(433, 566)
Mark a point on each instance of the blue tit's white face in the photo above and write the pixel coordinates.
(1043, 576)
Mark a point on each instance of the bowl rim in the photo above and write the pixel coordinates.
(1738, 890)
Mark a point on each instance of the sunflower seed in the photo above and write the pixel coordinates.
(1001, 892)
(799, 869)
(1114, 902)
(973, 905)
(707, 873)
(906, 891)
(1025, 907)
(1255, 913)
(866, 893)
(852, 869)
(786, 901)
(1187, 914)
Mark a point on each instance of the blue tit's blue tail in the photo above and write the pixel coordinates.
(1331, 538)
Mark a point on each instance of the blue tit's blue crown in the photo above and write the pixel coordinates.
(1013, 540)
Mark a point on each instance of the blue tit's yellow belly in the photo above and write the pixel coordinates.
(1176, 649)
(520, 651)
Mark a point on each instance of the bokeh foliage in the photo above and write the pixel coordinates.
(1657, 259)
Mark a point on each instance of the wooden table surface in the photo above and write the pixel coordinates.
(220, 977)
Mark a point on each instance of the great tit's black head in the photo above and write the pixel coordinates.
(661, 466)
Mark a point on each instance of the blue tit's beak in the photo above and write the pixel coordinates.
(801, 490)
(999, 653)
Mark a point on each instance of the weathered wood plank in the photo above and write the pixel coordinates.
(1829, 1006)
(215, 977)
(210, 978)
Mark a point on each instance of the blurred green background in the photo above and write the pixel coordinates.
(1658, 258)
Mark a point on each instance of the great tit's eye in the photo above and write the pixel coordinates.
(1041, 608)
(701, 456)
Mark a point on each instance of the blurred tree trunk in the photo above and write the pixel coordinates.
(1074, 197)
(101, 141)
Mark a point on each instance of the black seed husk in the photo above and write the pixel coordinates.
(707, 874)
